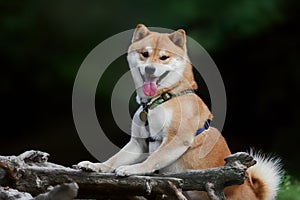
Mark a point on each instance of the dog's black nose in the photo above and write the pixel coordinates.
(150, 69)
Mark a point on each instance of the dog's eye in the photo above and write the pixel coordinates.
(164, 57)
(145, 54)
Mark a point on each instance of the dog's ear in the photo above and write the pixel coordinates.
(178, 38)
(140, 32)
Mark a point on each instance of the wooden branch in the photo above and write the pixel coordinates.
(8, 193)
(31, 172)
(66, 191)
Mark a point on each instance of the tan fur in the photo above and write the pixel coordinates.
(174, 121)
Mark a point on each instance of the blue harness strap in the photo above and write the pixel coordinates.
(198, 132)
(203, 128)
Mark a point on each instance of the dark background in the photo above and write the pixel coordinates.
(255, 44)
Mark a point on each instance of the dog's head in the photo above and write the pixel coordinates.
(157, 60)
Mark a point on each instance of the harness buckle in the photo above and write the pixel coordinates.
(166, 96)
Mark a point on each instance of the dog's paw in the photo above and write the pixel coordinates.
(87, 166)
(130, 170)
(93, 167)
(125, 171)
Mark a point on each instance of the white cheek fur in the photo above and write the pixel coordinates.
(133, 59)
(175, 68)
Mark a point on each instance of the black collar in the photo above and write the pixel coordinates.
(166, 96)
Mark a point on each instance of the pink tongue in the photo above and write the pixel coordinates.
(150, 88)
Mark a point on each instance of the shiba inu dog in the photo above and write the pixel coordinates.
(170, 130)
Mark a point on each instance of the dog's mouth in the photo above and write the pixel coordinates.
(150, 87)
(151, 83)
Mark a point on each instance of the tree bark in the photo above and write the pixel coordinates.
(32, 173)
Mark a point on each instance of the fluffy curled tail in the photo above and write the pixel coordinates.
(265, 175)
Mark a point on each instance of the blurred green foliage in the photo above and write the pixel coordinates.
(61, 33)
(289, 188)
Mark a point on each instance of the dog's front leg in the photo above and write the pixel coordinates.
(170, 150)
(135, 151)
(131, 153)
